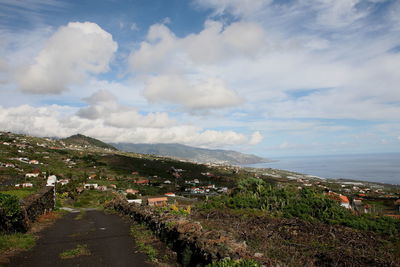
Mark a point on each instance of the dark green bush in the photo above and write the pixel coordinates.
(9, 204)
(11, 217)
(305, 204)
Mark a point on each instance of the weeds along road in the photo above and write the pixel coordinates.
(90, 238)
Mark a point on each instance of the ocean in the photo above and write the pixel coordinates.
(381, 168)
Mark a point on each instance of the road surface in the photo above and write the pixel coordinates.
(106, 236)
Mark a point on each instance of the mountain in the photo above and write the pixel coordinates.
(191, 153)
(82, 140)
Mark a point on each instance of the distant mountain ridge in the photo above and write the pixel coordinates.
(200, 155)
(82, 140)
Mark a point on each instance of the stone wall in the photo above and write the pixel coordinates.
(38, 204)
(31, 207)
(194, 245)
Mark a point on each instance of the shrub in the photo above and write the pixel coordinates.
(131, 196)
(234, 263)
(10, 214)
(305, 204)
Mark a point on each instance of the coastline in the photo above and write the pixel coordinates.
(369, 168)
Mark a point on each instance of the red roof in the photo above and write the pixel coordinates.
(344, 199)
(338, 197)
(141, 182)
(157, 199)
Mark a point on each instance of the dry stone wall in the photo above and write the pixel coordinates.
(194, 245)
(31, 207)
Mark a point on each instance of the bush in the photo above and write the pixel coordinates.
(234, 263)
(10, 214)
(305, 204)
(131, 196)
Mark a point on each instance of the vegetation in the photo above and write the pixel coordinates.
(234, 263)
(305, 204)
(16, 241)
(80, 250)
(144, 238)
(92, 199)
(83, 140)
(10, 212)
(20, 193)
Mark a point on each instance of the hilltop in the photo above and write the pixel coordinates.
(195, 154)
(82, 140)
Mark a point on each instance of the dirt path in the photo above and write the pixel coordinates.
(106, 237)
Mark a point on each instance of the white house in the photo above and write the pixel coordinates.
(27, 185)
(51, 180)
(30, 175)
(63, 181)
(91, 186)
(135, 201)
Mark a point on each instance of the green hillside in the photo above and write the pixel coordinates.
(82, 140)
(195, 154)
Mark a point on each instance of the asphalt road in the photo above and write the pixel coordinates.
(106, 235)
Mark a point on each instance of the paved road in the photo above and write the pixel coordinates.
(106, 236)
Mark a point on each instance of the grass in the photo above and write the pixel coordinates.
(20, 193)
(80, 215)
(143, 238)
(11, 243)
(17, 241)
(92, 199)
(80, 250)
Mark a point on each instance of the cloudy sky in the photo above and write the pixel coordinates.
(270, 77)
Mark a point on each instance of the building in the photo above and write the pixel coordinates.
(90, 186)
(63, 181)
(131, 191)
(51, 180)
(342, 199)
(102, 188)
(142, 182)
(135, 201)
(24, 185)
(169, 195)
(157, 201)
(31, 175)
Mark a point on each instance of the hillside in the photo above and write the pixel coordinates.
(284, 218)
(195, 154)
(82, 140)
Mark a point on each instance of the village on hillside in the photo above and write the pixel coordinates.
(273, 216)
(29, 162)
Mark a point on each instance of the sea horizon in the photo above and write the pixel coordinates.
(371, 167)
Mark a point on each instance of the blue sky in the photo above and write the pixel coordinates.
(269, 77)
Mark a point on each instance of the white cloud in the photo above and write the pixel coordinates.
(337, 13)
(176, 68)
(256, 138)
(205, 94)
(60, 121)
(104, 105)
(235, 7)
(71, 53)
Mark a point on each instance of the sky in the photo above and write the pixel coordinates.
(268, 77)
